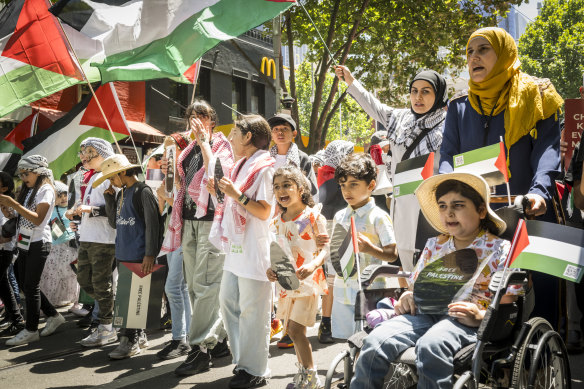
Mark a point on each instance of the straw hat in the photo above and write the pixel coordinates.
(113, 165)
(426, 194)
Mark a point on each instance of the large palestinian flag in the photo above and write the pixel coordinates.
(490, 162)
(156, 39)
(35, 60)
(548, 248)
(60, 143)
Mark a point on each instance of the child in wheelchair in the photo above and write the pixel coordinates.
(457, 205)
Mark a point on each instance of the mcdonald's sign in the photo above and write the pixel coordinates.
(271, 70)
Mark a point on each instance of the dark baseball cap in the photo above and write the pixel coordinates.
(282, 118)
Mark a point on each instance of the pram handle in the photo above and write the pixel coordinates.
(371, 272)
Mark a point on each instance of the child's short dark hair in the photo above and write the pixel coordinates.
(261, 134)
(201, 108)
(134, 171)
(359, 165)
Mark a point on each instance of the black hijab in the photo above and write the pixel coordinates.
(438, 84)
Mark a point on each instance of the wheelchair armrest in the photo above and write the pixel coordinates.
(512, 277)
(371, 272)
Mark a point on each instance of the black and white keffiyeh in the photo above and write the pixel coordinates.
(101, 146)
(35, 164)
(336, 151)
(412, 128)
(292, 156)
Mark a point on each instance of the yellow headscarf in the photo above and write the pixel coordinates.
(508, 88)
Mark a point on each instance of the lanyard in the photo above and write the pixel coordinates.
(486, 122)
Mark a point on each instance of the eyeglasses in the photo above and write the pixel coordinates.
(86, 153)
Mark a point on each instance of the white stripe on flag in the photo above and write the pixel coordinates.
(345, 260)
(481, 167)
(139, 299)
(407, 176)
(555, 249)
(64, 138)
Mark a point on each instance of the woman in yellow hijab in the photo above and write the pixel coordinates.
(505, 103)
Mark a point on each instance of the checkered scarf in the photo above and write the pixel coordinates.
(230, 216)
(35, 164)
(197, 189)
(292, 156)
(101, 146)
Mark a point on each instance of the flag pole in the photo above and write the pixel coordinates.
(195, 79)
(506, 181)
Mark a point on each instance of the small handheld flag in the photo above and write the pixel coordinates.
(354, 236)
(410, 173)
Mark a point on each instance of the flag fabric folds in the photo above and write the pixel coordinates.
(35, 60)
(11, 147)
(548, 248)
(410, 173)
(60, 143)
(490, 162)
(145, 40)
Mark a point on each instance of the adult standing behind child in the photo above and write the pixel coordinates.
(241, 229)
(34, 207)
(298, 226)
(59, 281)
(356, 175)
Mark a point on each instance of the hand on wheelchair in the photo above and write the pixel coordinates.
(537, 205)
(466, 313)
(405, 305)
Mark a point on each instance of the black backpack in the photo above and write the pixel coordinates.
(139, 207)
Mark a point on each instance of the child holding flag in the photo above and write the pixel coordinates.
(300, 225)
(356, 175)
(456, 204)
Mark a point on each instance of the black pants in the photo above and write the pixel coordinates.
(6, 291)
(30, 268)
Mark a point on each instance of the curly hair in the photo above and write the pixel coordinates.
(359, 165)
(294, 174)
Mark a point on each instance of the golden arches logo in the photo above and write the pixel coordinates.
(271, 70)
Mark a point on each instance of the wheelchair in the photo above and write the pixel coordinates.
(510, 352)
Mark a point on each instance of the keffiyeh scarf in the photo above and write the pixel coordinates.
(292, 156)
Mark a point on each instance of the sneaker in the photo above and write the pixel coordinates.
(325, 334)
(53, 322)
(126, 349)
(143, 340)
(165, 322)
(196, 362)
(243, 379)
(100, 337)
(220, 350)
(285, 342)
(14, 328)
(298, 377)
(79, 310)
(311, 380)
(276, 328)
(174, 349)
(23, 337)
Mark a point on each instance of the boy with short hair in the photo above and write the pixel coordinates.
(356, 176)
(137, 222)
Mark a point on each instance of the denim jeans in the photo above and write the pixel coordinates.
(6, 291)
(15, 286)
(437, 339)
(178, 295)
(246, 307)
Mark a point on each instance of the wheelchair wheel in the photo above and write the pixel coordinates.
(400, 376)
(542, 361)
(346, 360)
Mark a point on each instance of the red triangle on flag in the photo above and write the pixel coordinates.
(428, 170)
(24, 130)
(136, 268)
(192, 72)
(520, 241)
(108, 99)
(501, 162)
(39, 41)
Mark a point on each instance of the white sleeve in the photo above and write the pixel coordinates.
(45, 194)
(265, 189)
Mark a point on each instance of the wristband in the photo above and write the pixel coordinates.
(243, 199)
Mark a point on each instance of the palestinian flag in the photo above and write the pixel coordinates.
(410, 173)
(489, 162)
(11, 147)
(35, 60)
(548, 248)
(60, 143)
(145, 40)
(138, 296)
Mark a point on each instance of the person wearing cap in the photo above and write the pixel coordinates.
(96, 242)
(411, 132)
(59, 281)
(134, 215)
(286, 152)
(456, 205)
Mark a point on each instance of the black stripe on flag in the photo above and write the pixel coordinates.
(411, 164)
(76, 13)
(557, 232)
(9, 17)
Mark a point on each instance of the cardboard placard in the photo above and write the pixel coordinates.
(171, 170)
(574, 124)
(138, 296)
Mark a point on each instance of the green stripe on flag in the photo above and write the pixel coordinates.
(406, 189)
(122, 296)
(549, 265)
(9, 148)
(477, 155)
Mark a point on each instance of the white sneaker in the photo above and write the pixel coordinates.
(100, 337)
(143, 340)
(125, 349)
(23, 337)
(53, 323)
(311, 380)
(78, 310)
(298, 377)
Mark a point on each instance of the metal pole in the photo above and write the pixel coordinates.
(277, 39)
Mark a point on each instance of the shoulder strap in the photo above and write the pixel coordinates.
(415, 143)
(137, 199)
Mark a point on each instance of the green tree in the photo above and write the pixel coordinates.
(349, 122)
(553, 45)
(384, 42)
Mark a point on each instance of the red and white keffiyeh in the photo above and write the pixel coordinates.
(230, 216)
(221, 149)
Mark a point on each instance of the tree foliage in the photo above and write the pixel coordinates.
(384, 42)
(553, 45)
